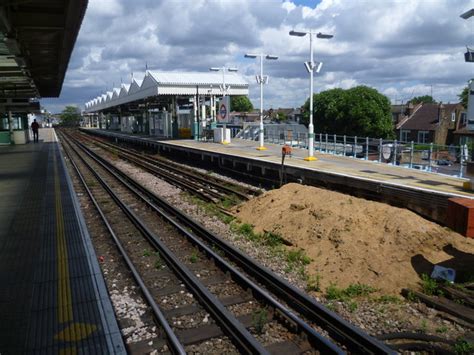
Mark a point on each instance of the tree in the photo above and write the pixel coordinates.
(463, 96)
(240, 104)
(70, 116)
(426, 99)
(359, 111)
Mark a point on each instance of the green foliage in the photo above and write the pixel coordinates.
(430, 286)
(424, 326)
(313, 283)
(352, 306)
(259, 318)
(297, 257)
(194, 258)
(359, 111)
(388, 299)
(70, 116)
(354, 290)
(463, 96)
(442, 329)
(463, 347)
(412, 297)
(280, 116)
(147, 252)
(426, 99)
(158, 263)
(240, 104)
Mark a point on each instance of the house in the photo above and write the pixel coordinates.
(399, 112)
(284, 114)
(430, 123)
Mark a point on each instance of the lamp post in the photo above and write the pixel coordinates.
(261, 79)
(311, 67)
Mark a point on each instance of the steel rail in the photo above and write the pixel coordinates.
(314, 337)
(231, 326)
(172, 340)
(339, 328)
(184, 171)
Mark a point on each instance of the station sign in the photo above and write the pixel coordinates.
(223, 110)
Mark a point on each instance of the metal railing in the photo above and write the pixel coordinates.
(431, 157)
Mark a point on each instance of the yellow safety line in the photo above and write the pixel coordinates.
(64, 286)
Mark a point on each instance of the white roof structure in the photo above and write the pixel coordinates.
(170, 83)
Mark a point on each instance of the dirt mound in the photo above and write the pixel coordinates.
(352, 240)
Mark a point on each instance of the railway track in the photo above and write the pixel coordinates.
(205, 186)
(225, 288)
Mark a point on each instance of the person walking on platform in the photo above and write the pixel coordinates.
(34, 128)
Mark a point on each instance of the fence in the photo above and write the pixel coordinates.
(422, 156)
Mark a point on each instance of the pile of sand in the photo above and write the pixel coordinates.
(352, 240)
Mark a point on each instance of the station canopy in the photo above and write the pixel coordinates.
(169, 83)
(36, 42)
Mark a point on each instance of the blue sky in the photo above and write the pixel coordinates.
(401, 48)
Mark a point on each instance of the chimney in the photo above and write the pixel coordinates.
(441, 113)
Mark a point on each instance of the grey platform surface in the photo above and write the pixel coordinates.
(52, 295)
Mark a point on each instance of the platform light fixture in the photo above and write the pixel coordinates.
(467, 14)
(310, 67)
(262, 80)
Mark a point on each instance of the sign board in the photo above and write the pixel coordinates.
(223, 110)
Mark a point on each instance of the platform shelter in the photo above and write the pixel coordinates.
(164, 104)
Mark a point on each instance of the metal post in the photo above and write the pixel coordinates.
(326, 144)
(394, 158)
(366, 148)
(10, 126)
(320, 142)
(380, 150)
(261, 132)
(344, 148)
(196, 109)
(430, 163)
(310, 156)
(412, 152)
(463, 151)
(354, 148)
(334, 144)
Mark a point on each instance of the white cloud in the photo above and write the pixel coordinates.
(398, 47)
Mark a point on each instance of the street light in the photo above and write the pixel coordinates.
(311, 67)
(224, 88)
(261, 79)
(469, 55)
(467, 14)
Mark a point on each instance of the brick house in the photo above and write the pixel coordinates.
(430, 123)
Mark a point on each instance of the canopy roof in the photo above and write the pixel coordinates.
(36, 41)
(157, 83)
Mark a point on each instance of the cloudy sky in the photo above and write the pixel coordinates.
(402, 48)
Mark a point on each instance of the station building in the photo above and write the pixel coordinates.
(166, 104)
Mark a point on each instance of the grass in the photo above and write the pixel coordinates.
(209, 208)
(388, 299)
(442, 329)
(147, 252)
(463, 347)
(259, 319)
(424, 326)
(313, 283)
(430, 286)
(346, 294)
(296, 258)
(194, 258)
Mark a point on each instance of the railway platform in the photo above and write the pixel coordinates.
(423, 192)
(53, 299)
